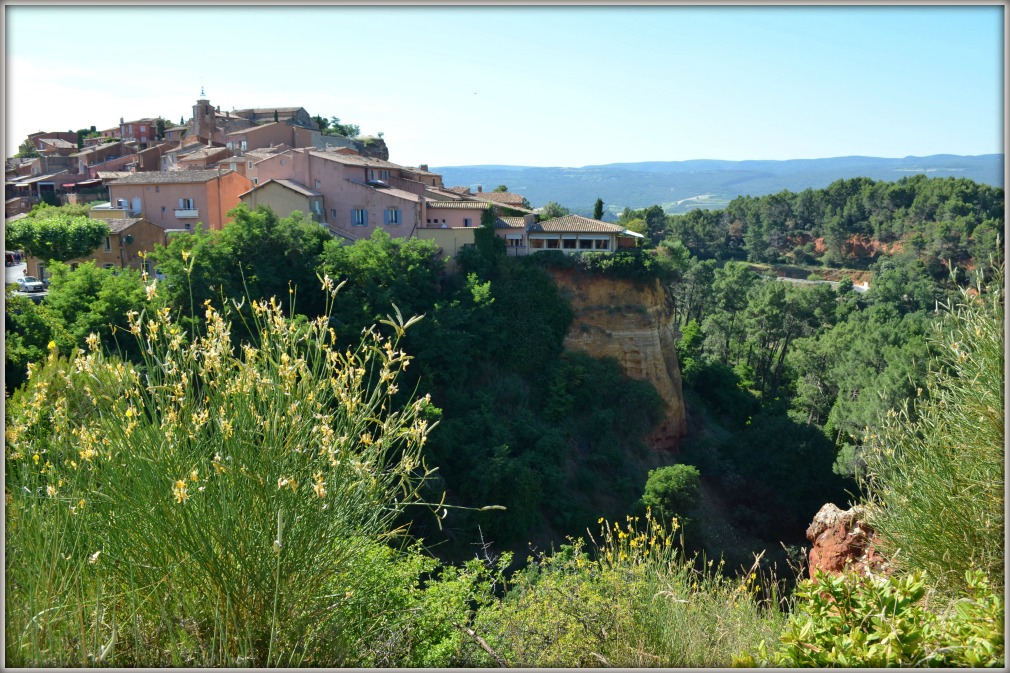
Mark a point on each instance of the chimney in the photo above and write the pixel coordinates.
(424, 167)
(121, 121)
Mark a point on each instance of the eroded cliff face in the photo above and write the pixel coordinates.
(630, 322)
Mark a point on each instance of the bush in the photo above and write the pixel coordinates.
(935, 477)
(215, 506)
(672, 490)
(848, 620)
(630, 599)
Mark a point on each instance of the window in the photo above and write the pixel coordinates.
(108, 266)
(163, 211)
(569, 244)
(553, 243)
(333, 213)
(392, 216)
(467, 222)
(429, 220)
(185, 204)
(230, 145)
(243, 145)
(585, 244)
(383, 175)
(359, 217)
(317, 184)
(187, 225)
(602, 244)
(108, 244)
(157, 189)
(250, 164)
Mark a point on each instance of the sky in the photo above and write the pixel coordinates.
(534, 86)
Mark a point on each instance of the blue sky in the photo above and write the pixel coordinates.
(536, 86)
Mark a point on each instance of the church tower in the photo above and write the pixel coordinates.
(203, 119)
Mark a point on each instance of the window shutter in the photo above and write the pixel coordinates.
(181, 204)
(385, 216)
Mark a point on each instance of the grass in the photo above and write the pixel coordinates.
(210, 507)
(936, 470)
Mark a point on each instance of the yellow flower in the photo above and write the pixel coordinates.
(185, 255)
(36, 458)
(50, 490)
(193, 476)
(179, 491)
(319, 487)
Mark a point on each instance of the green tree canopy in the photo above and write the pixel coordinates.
(26, 150)
(598, 209)
(51, 234)
(672, 490)
(553, 209)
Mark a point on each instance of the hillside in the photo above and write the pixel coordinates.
(681, 186)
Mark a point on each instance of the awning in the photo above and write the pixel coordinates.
(85, 183)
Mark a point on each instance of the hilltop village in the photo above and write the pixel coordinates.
(150, 181)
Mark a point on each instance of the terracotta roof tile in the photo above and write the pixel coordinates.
(119, 225)
(576, 224)
(510, 223)
(500, 197)
(458, 205)
(163, 177)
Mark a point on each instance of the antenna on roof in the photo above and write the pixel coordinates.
(202, 95)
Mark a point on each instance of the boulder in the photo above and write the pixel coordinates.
(843, 542)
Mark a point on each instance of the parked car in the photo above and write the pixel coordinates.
(30, 284)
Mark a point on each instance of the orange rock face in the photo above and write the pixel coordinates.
(630, 322)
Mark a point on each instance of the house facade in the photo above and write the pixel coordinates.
(359, 194)
(180, 199)
(141, 131)
(284, 197)
(574, 233)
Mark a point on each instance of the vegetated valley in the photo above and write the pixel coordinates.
(208, 476)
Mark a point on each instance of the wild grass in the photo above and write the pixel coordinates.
(215, 506)
(628, 599)
(936, 471)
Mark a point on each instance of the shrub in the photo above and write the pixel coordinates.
(848, 620)
(629, 600)
(215, 506)
(935, 471)
(672, 490)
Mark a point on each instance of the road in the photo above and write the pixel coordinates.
(12, 273)
(832, 283)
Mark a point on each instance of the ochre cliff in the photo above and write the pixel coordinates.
(630, 322)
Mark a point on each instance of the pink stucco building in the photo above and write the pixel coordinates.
(180, 199)
(359, 194)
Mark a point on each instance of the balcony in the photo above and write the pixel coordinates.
(187, 213)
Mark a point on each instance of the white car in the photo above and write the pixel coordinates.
(30, 284)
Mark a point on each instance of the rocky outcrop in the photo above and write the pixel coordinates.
(630, 322)
(372, 146)
(843, 541)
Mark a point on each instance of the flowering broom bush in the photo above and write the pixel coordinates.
(216, 505)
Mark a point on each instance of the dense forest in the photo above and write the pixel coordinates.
(495, 451)
(782, 381)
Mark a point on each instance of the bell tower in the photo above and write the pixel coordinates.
(203, 119)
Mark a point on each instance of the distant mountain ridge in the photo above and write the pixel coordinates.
(680, 186)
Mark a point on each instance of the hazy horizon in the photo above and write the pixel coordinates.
(537, 86)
